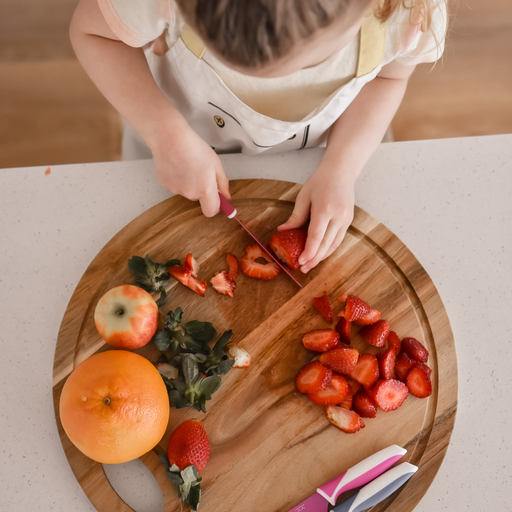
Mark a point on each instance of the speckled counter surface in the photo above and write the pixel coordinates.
(450, 201)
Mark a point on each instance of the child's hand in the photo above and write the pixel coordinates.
(329, 197)
(188, 166)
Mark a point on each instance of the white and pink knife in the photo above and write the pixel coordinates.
(357, 476)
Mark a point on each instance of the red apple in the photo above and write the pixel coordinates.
(126, 317)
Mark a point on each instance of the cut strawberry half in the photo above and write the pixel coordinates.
(348, 421)
(364, 405)
(223, 284)
(418, 383)
(321, 340)
(354, 309)
(370, 318)
(403, 364)
(334, 393)
(197, 286)
(387, 363)
(343, 329)
(233, 266)
(394, 342)
(322, 304)
(191, 265)
(389, 394)
(288, 246)
(413, 348)
(252, 268)
(376, 334)
(366, 371)
(313, 377)
(341, 359)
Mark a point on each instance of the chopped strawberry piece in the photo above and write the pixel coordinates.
(353, 388)
(419, 383)
(394, 342)
(191, 265)
(313, 377)
(387, 363)
(340, 359)
(343, 329)
(370, 318)
(413, 348)
(223, 284)
(347, 402)
(322, 304)
(403, 364)
(181, 274)
(288, 246)
(334, 393)
(321, 340)
(197, 286)
(252, 268)
(233, 266)
(366, 371)
(355, 309)
(364, 405)
(376, 334)
(348, 421)
(342, 298)
(389, 394)
(424, 367)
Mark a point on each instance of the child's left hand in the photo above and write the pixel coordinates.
(328, 196)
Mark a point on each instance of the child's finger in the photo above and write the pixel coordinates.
(210, 203)
(222, 182)
(316, 233)
(326, 243)
(337, 242)
(299, 215)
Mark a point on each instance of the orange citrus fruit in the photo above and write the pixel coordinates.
(114, 406)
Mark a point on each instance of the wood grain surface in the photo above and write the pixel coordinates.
(271, 447)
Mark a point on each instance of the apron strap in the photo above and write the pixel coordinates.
(193, 42)
(372, 43)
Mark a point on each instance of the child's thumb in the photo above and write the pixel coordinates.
(298, 217)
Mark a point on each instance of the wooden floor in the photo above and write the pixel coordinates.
(51, 113)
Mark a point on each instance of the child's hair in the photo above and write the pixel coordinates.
(250, 33)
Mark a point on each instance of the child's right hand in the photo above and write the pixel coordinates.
(188, 166)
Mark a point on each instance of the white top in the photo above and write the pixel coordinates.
(447, 200)
(289, 98)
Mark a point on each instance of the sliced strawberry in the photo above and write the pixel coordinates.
(233, 266)
(334, 393)
(376, 334)
(340, 359)
(181, 274)
(348, 400)
(403, 364)
(348, 421)
(419, 383)
(354, 309)
(424, 367)
(252, 268)
(343, 329)
(288, 246)
(321, 340)
(394, 342)
(370, 318)
(366, 371)
(353, 388)
(413, 348)
(191, 265)
(197, 286)
(223, 284)
(364, 405)
(313, 377)
(342, 298)
(387, 364)
(389, 394)
(322, 304)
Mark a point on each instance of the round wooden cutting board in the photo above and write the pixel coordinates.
(271, 447)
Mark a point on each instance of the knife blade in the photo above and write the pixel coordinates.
(231, 213)
(356, 476)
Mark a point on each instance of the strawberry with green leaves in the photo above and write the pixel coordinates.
(187, 454)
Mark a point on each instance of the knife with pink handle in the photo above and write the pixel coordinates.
(358, 475)
(231, 212)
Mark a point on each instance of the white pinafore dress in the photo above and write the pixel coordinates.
(230, 126)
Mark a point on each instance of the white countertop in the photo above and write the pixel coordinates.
(450, 201)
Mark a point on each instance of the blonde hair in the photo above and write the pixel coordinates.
(250, 33)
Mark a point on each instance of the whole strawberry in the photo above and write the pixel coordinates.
(188, 452)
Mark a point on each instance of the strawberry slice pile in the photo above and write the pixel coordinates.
(354, 385)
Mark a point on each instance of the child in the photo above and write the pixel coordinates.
(259, 76)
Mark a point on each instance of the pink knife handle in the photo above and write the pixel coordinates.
(227, 207)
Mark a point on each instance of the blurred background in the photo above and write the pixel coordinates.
(51, 113)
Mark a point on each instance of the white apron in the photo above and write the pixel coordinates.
(230, 126)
